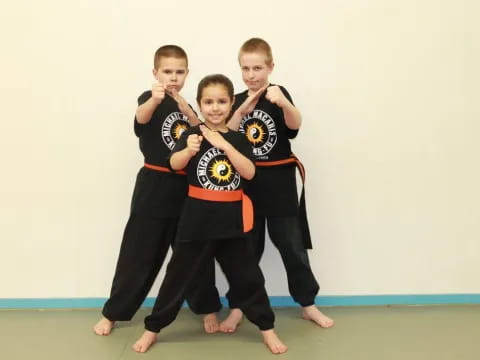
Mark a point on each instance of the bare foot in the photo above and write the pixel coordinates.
(272, 341)
(230, 324)
(103, 327)
(210, 323)
(312, 313)
(146, 340)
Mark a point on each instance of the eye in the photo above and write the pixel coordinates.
(257, 68)
(181, 72)
(167, 71)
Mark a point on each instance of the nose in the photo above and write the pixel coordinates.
(250, 74)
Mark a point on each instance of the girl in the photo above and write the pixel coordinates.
(214, 219)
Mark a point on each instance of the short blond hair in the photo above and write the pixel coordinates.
(257, 45)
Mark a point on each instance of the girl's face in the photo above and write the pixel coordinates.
(215, 105)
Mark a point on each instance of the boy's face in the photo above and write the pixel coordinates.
(255, 71)
(171, 72)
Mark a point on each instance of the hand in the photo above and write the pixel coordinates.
(193, 143)
(251, 101)
(275, 96)
(181, 102)
(214, 138)
(158, 92)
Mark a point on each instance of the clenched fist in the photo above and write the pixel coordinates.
(158, 92)
(193, 143)
(275, 96)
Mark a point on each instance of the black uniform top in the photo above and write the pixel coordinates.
(159, 135)
(159, 194)
(273, 189)
(211, 169)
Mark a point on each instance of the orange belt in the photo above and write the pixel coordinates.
(290, 160)
(164, 169)
(226, 196)
(307, 241)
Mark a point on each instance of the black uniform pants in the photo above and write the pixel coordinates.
(187, 266)
(143, 250)
(287, 238)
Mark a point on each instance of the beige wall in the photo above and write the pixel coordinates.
(387, 91)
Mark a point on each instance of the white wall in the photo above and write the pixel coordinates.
(387, 91)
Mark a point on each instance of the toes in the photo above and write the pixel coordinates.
(228, 330)
(326, 323)
(140, 348)
(211, 329)
(99, 331)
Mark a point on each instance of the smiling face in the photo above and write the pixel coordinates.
(215, 104)
(255, 69)
(171, 72)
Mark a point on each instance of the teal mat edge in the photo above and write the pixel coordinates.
(276, 301)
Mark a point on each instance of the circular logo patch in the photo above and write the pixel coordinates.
(215, 172)
(260, 130)
(173, 127)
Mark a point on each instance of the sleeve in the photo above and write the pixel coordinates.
(137, 127)
(291, 134)
(245, 147)
(181, 143)
(191, 107)
(239, 99)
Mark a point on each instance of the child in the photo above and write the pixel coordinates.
(216, 160)
(162, 115)
(266, 115)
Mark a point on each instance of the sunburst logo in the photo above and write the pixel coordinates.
(215, 172)
(255, 133)
(261, 131)
(221, 170)
(172, 128)
(178, 131)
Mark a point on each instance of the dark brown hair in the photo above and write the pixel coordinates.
(169, 51)
(213, 80)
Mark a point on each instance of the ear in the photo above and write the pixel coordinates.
(154, 72)
(271, 66)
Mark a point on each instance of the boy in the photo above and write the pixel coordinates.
(266, 115)
(161, 117)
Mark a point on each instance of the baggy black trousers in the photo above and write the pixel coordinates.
(145, 244)
(287, 238)
(187, 265)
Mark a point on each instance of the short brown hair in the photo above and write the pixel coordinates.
(214, 80)
(169, 51)
(257, 45)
